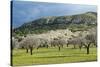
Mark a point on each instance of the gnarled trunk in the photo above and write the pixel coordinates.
(67, 45)
(88, 46)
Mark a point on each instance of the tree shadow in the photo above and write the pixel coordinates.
(44, 51)
(54, 56)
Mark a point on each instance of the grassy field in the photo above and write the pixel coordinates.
(52, 56)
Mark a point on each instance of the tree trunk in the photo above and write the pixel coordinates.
(59, 48)
(95, 44)
(88, 46)
(74, 46)
(31, 50)
(37, 47)
(87, 50)
(67, 45)
(47, 46)
(26, 50)
(80, 46)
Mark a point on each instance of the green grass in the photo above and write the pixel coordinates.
(52, 56)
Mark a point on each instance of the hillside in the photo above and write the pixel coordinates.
(82, 21)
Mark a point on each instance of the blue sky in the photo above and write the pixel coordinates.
(25, 11)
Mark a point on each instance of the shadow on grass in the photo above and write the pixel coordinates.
(51, 50)
(59, 56)
(54, 57)
(44, 51)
